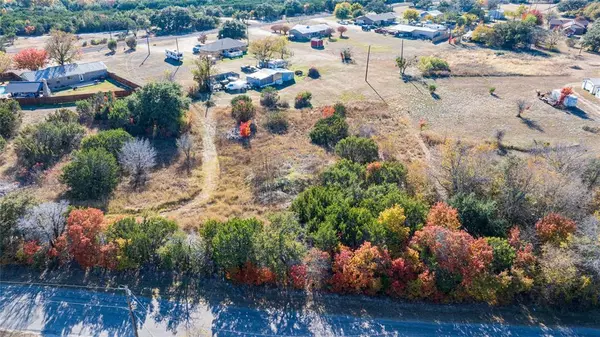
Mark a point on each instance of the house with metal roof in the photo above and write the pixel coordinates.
(304, 32)
(376, 19)
(68, 75)
(19, 89)
(430, 32)
(434, 13)
(224, 46)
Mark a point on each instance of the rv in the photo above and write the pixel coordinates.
(174, 55)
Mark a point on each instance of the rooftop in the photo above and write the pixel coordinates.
(303, 29)
(265, 73)
(73, 69)
(380, 16)
(23, 87)
(595, 80)
(222, 44)
(432, 13)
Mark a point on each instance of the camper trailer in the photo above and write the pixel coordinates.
(174, 55)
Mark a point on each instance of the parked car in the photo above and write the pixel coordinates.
(380, 31)
(239, 85)
(196, 48)
(367, 28)
(343, 22)
(248, 69)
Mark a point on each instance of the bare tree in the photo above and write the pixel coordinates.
(203, 70)
(45, 222)
(185, 145)
(404, 63)
(591, 173)
(522, 106)
(62, 47)
(138, 157)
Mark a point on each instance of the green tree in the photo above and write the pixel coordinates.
(411, 15)
(158, 108)
(279, 245)
(342, 10)
(13, 206)
(131, 42)
(504, 254)
(91, 175)
(242, 108)
(591, 39)
(141, 240)
(478, 217)
(10, 118)
(112, 45)
(232, 242)
(232, 29)
(327, 132)
(358, 149)
(118, 115)
(111, 140)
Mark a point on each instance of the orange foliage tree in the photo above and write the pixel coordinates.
(31, 58)
(441, 214)
(83, 228)
(245, 130)
(554, 228)
(360, 271)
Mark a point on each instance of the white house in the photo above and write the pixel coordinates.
(304, 32)
(433, 13)
(266, 77)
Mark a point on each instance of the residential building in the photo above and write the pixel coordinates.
(226, 47)
(557, 23)
(431, 32)
(434, 13)
(376, 19)
(68, 75)
(304, 32)
(496, 14)
(573, 28)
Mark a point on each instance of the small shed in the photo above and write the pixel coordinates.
(591, 84)
(316, 43)
(266, 77)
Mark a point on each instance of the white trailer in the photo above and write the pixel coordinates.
(174, 55)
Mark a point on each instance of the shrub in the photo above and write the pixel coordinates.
(111, 140)
(277, 123)
(47, 142)
(2, 144)
(327, 132)
(118, 114)
(432, 88)
(137, 157)
(85, 111)
(388, 172)
(313, 73)
(242, 109)
(91, 175)
(232, 242)
(143, 238)
(269, 98)
(131, 42)
(504, 254)
(112, 45)
(492, 90)
(63, 116)
(361, 271)
(431, 65)
(358, 149)
(443, 215)
(10, 118)
(554, 228)
(303, 100)
(83, 229)
(478, 217)
(339, 109)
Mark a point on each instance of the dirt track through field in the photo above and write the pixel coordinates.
(210, 164)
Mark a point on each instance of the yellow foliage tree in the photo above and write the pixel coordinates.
(394, 221)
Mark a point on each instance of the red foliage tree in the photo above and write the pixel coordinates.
(31, 58)
(443, 215)
(29, 29)
(452, 251)
(252, 275)
(245, 130)
(538, 16)
(298, 276)
(83, 227)
(328, 111)
(554, 228)
(525, 257)
(360, 271)
(30, 248)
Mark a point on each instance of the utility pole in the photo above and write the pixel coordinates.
(177, 44)
(131, 315)
(367, 68)
(148, 43)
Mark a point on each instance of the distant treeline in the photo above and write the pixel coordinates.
(25, 17)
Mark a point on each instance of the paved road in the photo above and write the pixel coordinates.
(52, 311)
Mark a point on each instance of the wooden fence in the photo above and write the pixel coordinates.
(123, 81)
(29, 101)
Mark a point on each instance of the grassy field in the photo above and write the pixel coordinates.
(103, 86)
(387, 108)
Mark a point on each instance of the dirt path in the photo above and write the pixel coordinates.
(210, 165)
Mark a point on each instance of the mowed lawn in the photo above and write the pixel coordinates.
(103, 86)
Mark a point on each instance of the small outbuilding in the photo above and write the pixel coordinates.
(316, 43)
(266, 77)
(226, 47)
(434, 13)
(591, 84)
(21, 89)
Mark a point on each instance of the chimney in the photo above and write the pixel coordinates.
(46, 90)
